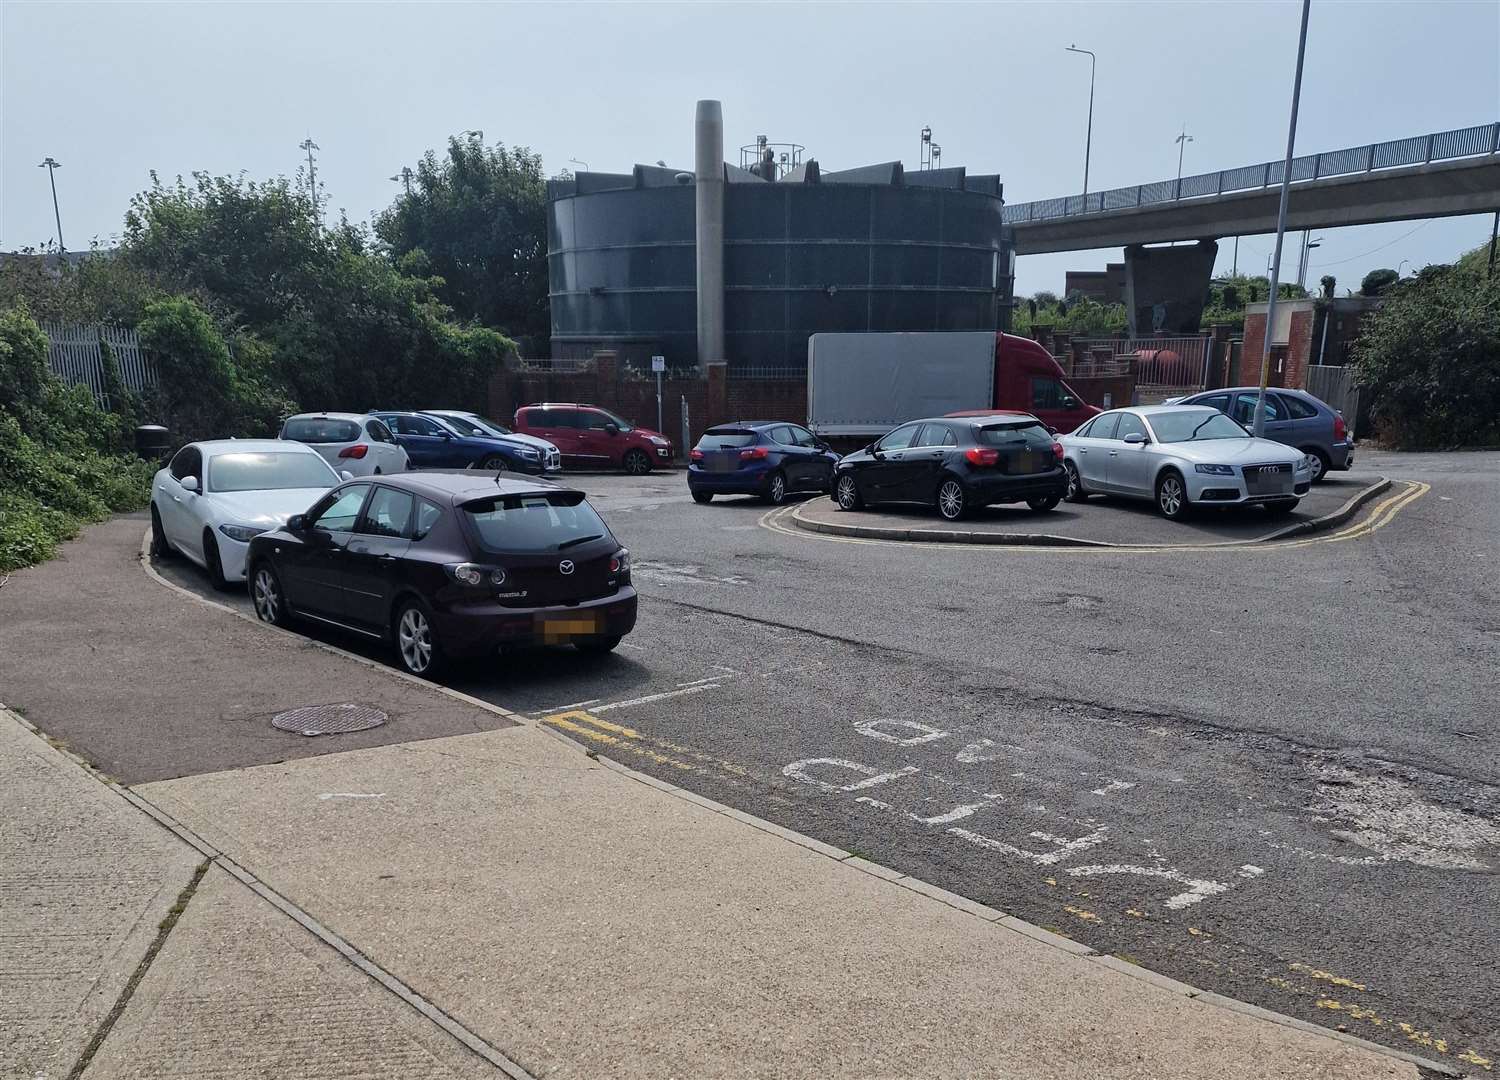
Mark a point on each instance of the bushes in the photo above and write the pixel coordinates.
(61, 459)
(1430, 358)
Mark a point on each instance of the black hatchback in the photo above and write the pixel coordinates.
(956, 465)
(444, 566)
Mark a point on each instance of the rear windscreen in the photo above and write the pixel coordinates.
(726, 440)
(321, 431)
(1028, 434)
(540, 522)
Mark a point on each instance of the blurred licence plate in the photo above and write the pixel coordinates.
(1267, 481)
(561, 626)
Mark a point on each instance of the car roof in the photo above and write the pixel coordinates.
(965, 414)
(252, 446)
(447, 412)
(456, 488)
(753, 425)
(355, 416)
(560, 405)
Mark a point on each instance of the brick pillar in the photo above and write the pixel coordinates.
(605, 378)
(717, 406)
(1218, 368)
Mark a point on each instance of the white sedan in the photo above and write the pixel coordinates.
(213, 497)
(1182, 456)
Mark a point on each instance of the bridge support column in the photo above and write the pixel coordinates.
(1165, 287)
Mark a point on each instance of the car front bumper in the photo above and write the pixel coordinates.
(481, 629)
(1233, 491)
(232, 555)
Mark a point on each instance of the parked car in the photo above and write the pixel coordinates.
(213, 498)
(771, 459)
(595, 438)
(1293, 417)
(1182, 456)
(432, 443)
(446, 565)
(360, 445)
(957, 465)
(467, 423)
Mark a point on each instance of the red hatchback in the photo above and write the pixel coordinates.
(590, 437)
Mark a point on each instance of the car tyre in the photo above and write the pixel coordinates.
(952, 500)
(161, 547)
(1319, 462)
(215, 565)
(493, 463)
(418, 650)
(1043, 504)
(1075, 493)
(636, 463)
(776, 490)
(1282, 507)
(1171, 496)
(846, 493)
(703, 498)
(266, 594)
(597, 645)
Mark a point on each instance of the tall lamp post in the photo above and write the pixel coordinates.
(1181, 141)
(404, 177)
(52, 165)
(575, 161)
(1286, 183)
(312, 174)
(1088, 140)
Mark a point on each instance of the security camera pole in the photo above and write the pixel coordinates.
(1286, 183)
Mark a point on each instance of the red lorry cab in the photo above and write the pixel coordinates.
(1028, 379)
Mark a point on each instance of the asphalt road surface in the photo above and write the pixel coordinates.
(1271, 772)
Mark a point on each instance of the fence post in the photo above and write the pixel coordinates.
(1221, 182)
(1138, 194)
(687, 432)
(1266, 179)
(1370, 161)
(1429, 148)
(1317, 166)
(1495, 140)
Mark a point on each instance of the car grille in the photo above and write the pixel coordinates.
(1268, 479)
(552, 459)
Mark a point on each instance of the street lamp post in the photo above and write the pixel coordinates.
(575, 161)
(1307, 250)
(312, 174)
(52, 165)
(404, 177)
(1286, 181)
(1182, 141)
(1088, 140)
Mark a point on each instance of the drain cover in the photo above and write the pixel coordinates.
(329, 719)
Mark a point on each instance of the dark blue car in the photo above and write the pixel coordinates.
(432, 444)
(769, 458)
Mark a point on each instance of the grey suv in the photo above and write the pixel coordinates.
(1293, 417)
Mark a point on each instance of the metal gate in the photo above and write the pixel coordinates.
(1164, 366)
(75, 356)
(1335, 386)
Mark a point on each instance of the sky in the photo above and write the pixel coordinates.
(115, 90)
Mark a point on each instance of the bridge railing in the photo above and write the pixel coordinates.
(1418, 150)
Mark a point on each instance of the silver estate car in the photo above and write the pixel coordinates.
(1182, 456)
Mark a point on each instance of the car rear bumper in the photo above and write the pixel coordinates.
(482, 629)
(985, 490)
(740, 482)
(1342, 457)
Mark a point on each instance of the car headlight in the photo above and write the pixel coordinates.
(530, 452)
(243, 533)
(659, 441)
(1214, 470)
(1302, 465)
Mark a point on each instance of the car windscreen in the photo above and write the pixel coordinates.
(268, 472)
(321, 430)
(542, 521)
(622, 424)
(726, 440)
(1194, 427)
(463, 425)
(1028, 433)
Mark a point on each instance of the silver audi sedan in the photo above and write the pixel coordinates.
(1182, 456)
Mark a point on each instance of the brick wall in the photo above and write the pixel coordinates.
(1288, 362)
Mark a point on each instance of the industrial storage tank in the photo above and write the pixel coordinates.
(870, 249)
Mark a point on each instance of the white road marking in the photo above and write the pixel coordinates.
(655, 697)
(958, 813)
(924, 732)
(1112, 786)
(1198, 889)
(797, 770)
(1249, 871)
(975, 752)
(352, 795)
(1391, 818)
(568, 708)
(696, 682)
(1064, 847)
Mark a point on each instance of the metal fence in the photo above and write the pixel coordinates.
(1335, 386)
(1163, 365)
(1417, 150)
(74, 354)
(555, 367)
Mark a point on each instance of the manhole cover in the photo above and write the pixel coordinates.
(329, 719)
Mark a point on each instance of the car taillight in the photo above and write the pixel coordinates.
(696, 455)
(978, 455)
(358, 450)
(1339, 430)
(755, 453)
(1057, 451)
(620, 563)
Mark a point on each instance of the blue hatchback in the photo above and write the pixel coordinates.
(431, 443)
(769, 458)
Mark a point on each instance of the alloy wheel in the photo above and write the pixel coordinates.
(778, 489)
(1315, 463)
(951, 500)
(267, 596)
(414, 637)
(637, 463)
(847, 493)
(1072, 474)
(1171, 496)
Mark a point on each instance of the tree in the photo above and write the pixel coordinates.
(1045, 298)
(1430, 358)
(477, 218)
(1328, 283)
(1378, 281)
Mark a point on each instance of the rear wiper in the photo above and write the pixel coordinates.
(578, 540)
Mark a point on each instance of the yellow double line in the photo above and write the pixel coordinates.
(586, 726)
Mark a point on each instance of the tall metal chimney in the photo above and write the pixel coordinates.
(709, 184)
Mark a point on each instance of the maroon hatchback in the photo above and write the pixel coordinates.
(445, 566)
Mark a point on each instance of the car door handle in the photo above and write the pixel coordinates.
(385, 557)
(1114, 453)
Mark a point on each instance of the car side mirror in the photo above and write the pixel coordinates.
(345, 474)
(613, 429)
(190, 483)
(1135, 438)
(296, 523)
(447, 436)
(1070, 402)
